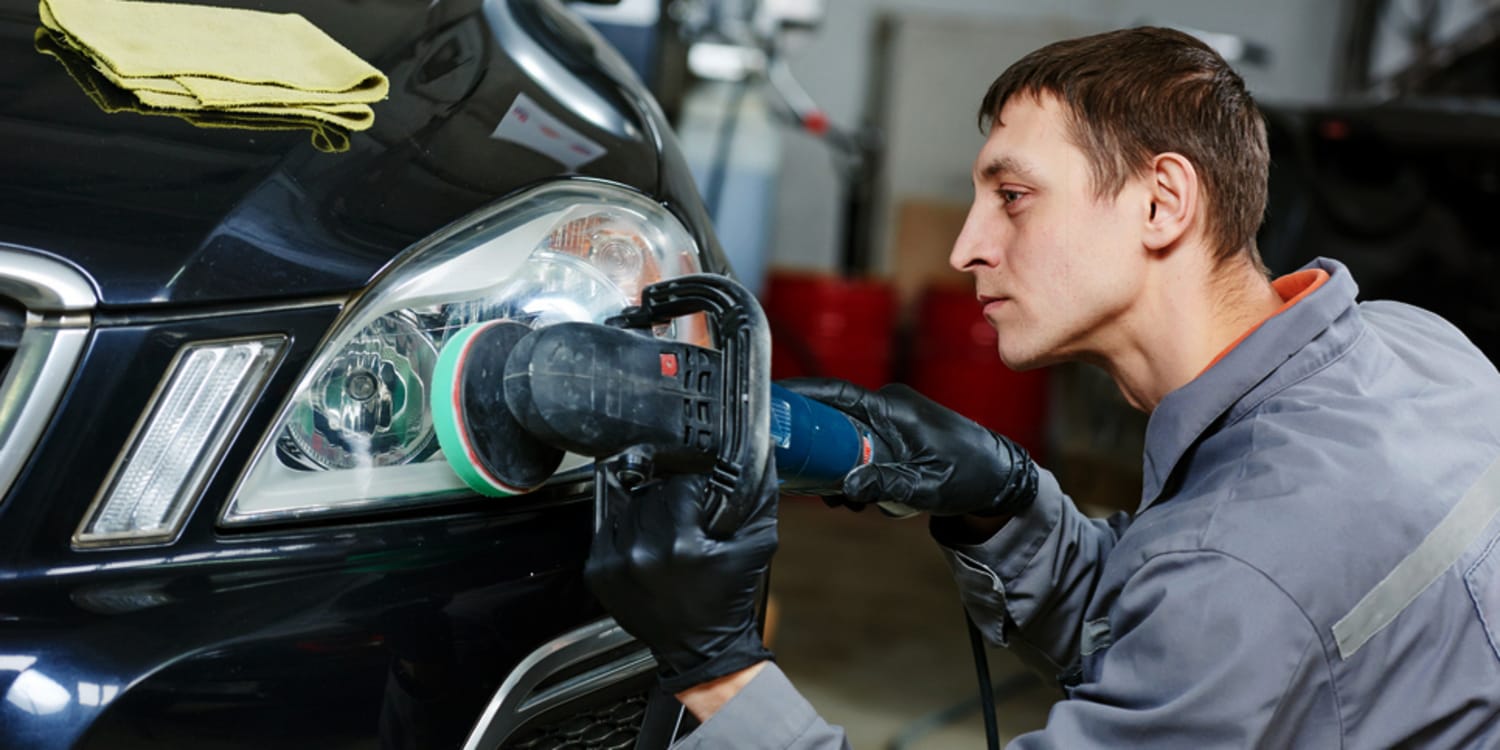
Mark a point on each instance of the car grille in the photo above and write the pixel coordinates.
(12, 323)
(610, 727)
(45, 317)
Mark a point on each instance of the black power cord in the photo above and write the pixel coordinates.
(984, 702)
(986, 690)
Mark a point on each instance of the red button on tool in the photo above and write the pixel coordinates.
(669, 365)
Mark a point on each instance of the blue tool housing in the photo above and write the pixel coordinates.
(815, 444)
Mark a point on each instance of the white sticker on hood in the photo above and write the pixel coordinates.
(531, 126)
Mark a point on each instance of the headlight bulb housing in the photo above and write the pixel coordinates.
(368, 406)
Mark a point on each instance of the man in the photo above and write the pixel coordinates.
(1314, 561)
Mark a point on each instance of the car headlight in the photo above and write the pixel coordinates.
(356, 432)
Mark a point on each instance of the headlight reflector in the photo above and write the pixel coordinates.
(368, 406)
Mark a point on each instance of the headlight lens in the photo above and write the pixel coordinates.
(357, 433)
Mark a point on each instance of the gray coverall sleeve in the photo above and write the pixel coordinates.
(1191, 666)
(770, 714)
(1027, 586)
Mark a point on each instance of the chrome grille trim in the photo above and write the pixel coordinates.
(518, 699)
(59, 303)
(43, 284)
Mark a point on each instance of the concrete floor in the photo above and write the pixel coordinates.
(869, 627)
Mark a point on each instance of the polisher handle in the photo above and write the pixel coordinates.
(743, 337)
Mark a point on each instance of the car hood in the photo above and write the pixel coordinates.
(158, 211)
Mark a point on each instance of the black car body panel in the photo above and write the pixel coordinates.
(159, 211)
(380, 629)
(310, 636)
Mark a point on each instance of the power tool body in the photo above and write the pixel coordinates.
(512, 401)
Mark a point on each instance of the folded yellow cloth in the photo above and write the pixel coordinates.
(191, 57)
(112, 98)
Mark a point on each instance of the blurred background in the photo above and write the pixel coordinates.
(832, 142)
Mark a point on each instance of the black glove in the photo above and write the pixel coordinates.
(945, 463)
(690, 597)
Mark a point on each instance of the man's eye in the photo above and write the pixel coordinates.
(1009, 196)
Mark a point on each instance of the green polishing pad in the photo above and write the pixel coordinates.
(475, 427)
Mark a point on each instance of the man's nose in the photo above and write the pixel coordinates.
(974, 248)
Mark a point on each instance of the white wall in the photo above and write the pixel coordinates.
(1303, 39)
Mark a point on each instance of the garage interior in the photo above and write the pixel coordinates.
(1385, 139)
(365, 592)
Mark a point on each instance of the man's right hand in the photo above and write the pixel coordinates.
(690, 596)
(945, 463)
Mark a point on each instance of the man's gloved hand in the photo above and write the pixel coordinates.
(945, 463)
(690, 597)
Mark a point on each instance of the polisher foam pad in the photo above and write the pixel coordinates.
(478, 433)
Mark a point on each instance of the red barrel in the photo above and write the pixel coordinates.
(830, 326)
(955, 362)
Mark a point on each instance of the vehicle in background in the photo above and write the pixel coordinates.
(1399, 174)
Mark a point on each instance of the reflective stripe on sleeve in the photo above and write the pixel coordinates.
(1420, 569)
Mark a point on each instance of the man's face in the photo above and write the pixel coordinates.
(1054, 268)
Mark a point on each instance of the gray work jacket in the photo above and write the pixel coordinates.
(1315, 562)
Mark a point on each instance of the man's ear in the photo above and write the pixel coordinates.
(1172, 187)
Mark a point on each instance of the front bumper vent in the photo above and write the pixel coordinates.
(614, 726)
(46, 309)
(585, 688)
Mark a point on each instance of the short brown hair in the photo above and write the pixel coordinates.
(1135, 93)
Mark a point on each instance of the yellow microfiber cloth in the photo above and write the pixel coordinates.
(112, 98)
(191, 58)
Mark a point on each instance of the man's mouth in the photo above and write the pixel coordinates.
(992, 302)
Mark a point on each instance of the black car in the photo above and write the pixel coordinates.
(224, 519)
